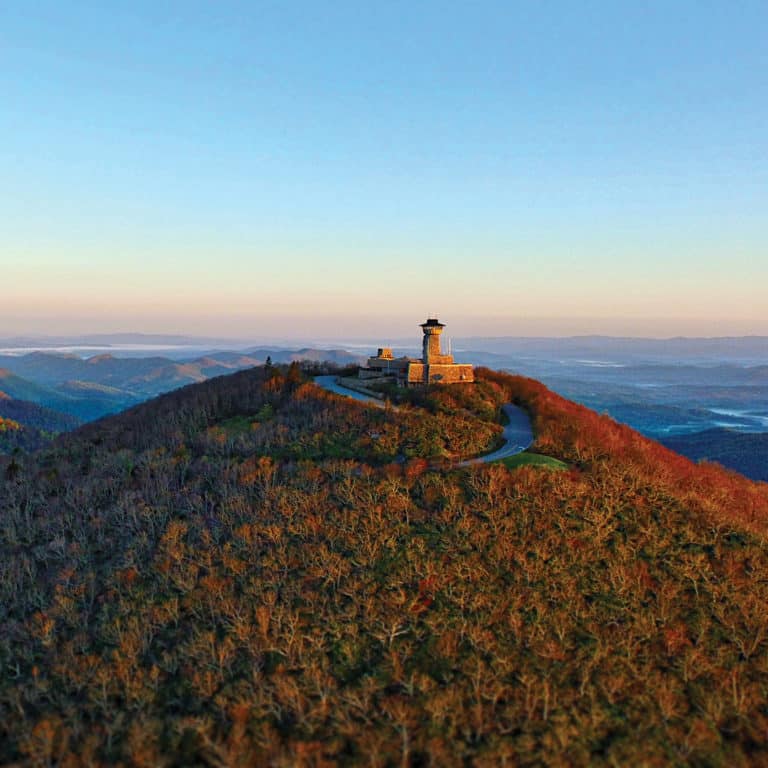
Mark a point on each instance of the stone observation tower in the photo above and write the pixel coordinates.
(431, 345)
(433, 368)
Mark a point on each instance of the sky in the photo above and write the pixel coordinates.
(344, 169)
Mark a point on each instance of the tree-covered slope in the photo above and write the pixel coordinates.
(251, 571)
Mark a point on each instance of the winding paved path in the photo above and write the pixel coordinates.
(330, 383)
(517, 434)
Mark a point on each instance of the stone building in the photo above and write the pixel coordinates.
(433, 368)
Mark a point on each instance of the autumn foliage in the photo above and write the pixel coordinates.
(8, 425)
(252, 571)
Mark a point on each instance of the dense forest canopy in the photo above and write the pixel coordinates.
(252, 571)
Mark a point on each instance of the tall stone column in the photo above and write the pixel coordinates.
(431, 344)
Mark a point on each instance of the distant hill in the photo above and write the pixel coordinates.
(80, 400)
(253, 571)
(51, 369)
(32, 415)
(93, 387)
(745, 452)
(28, 426)
(19, 388)
(338, 356)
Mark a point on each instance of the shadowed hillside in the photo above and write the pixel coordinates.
(746, 452)
(33, 415)
(254, 571)
(27, 426)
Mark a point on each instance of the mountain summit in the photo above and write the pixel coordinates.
(253, 571)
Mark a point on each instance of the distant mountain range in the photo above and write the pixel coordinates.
(601, 347)
(706, 398)
(88, 388)
(108, 339)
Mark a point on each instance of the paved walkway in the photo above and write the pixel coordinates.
(330, 383)
(517, 435)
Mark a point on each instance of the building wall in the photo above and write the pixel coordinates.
(450, 374)
(441, 360)
(431, 346)
(388, 363)
(368, 373)
(415, 374)
(440, 374)
(433, 368)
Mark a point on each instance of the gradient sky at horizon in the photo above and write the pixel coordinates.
(307, 168)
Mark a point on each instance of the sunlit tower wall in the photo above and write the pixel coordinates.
(431, 352)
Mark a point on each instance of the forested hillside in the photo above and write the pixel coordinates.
(252, 571)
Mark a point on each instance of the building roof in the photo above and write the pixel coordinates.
(432, 322)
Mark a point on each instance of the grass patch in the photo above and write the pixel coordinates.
(528, 459)
(239, 424)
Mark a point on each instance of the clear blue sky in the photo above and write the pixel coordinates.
(252, 167)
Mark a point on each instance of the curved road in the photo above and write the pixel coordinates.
(330, 383)
(517, 434)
